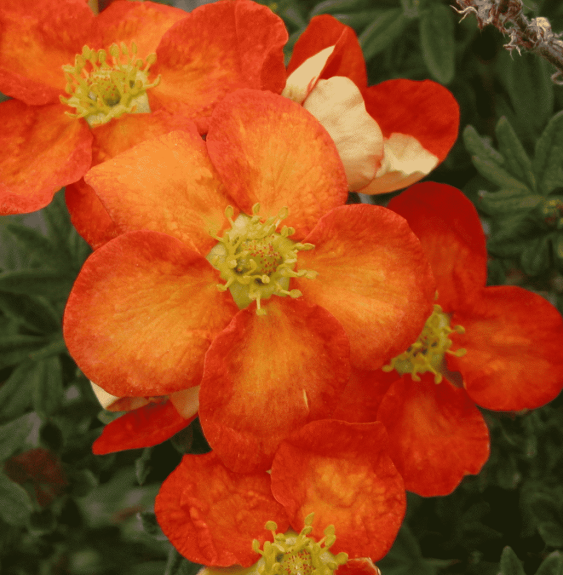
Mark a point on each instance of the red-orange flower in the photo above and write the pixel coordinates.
(497, 347)
(146, 318)
(339, 471)
(109, 70)
(388, 136)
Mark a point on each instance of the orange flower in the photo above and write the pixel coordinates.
(146, 318)
(497, 347)
(340, 472)
(76, 79)
(389, 136)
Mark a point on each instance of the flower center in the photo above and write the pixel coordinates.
(427, 353)
(297, 554)
(102, 87)
(256, 260)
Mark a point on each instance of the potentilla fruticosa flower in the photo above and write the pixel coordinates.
(337, 471)
(83, 86)
(238, 268)
(497, 347)
(390, 135)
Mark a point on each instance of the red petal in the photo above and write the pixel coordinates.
(42, 150)
(425, 110)
(341, 472)
(267, 375)
(373, 277)
(144, 427)
(166, 185)
(347, 59)
(211, 515)
(142, 314)
(220, 47)
(87, 212)
(436, 434)
(36, 40)
(513, 339)
(362, 395)
(452, 237)
(362, 566)
(267, 149)
(141, 22)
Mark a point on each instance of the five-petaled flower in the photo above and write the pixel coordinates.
(497, 347)
(175, 300)
(388, 136)
(83, 84)
(340, 472)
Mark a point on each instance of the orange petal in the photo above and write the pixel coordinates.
(513, 339)
(267, 375)
(88, 214)
(267, 149)
(347, 59)
(218, 48)
(211, 515)
(143, 427)
(168, 185)
(142, 314)
(141, 22)
(362, 395)
(373, 277)
(436, 434)
(451, 234)
(362, 566)
(338, 105)
(42, 150)
(341, 472)
(33, 47)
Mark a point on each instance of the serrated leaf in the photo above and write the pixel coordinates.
(438, 43)
(17, 348)
(37, 282)
(33, 312)
(551, 533)
(15, 504)
(143, 466)
(548, 161)
(516, 159)
(510, 564)
(535, 258)
(497, 175)
(47, 381)
(15, 393)
(504, 202)
(551, 565)
(382, 32)
(14, 434)
(335, 6)
(480, 146)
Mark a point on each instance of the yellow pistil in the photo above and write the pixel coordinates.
(427, 353)
(298, 554)
(256, 260)
(102, 86)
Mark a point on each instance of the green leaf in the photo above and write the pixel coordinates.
(15, 393)
(382, 32)
(497, 175)
(36, 244)
(480, 146)
(438, 43)
(33, 312)
(47, 386)
(504, 202)
(38, 282)
(178, 565)
(150, 525)
(510, 564)
(143, 466)
(15, 504)
(14, 434)
(548, 161)
(551, 533)
(536, 256)
(517, 160)
(345, 6)
(551, 565)
(58, 223)
(17, 348)
(358, 20)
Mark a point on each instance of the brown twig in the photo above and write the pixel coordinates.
(534, 35)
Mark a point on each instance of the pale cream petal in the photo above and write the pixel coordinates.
(115, 403)
(186, 401)
(302, 80)
(339, 106)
